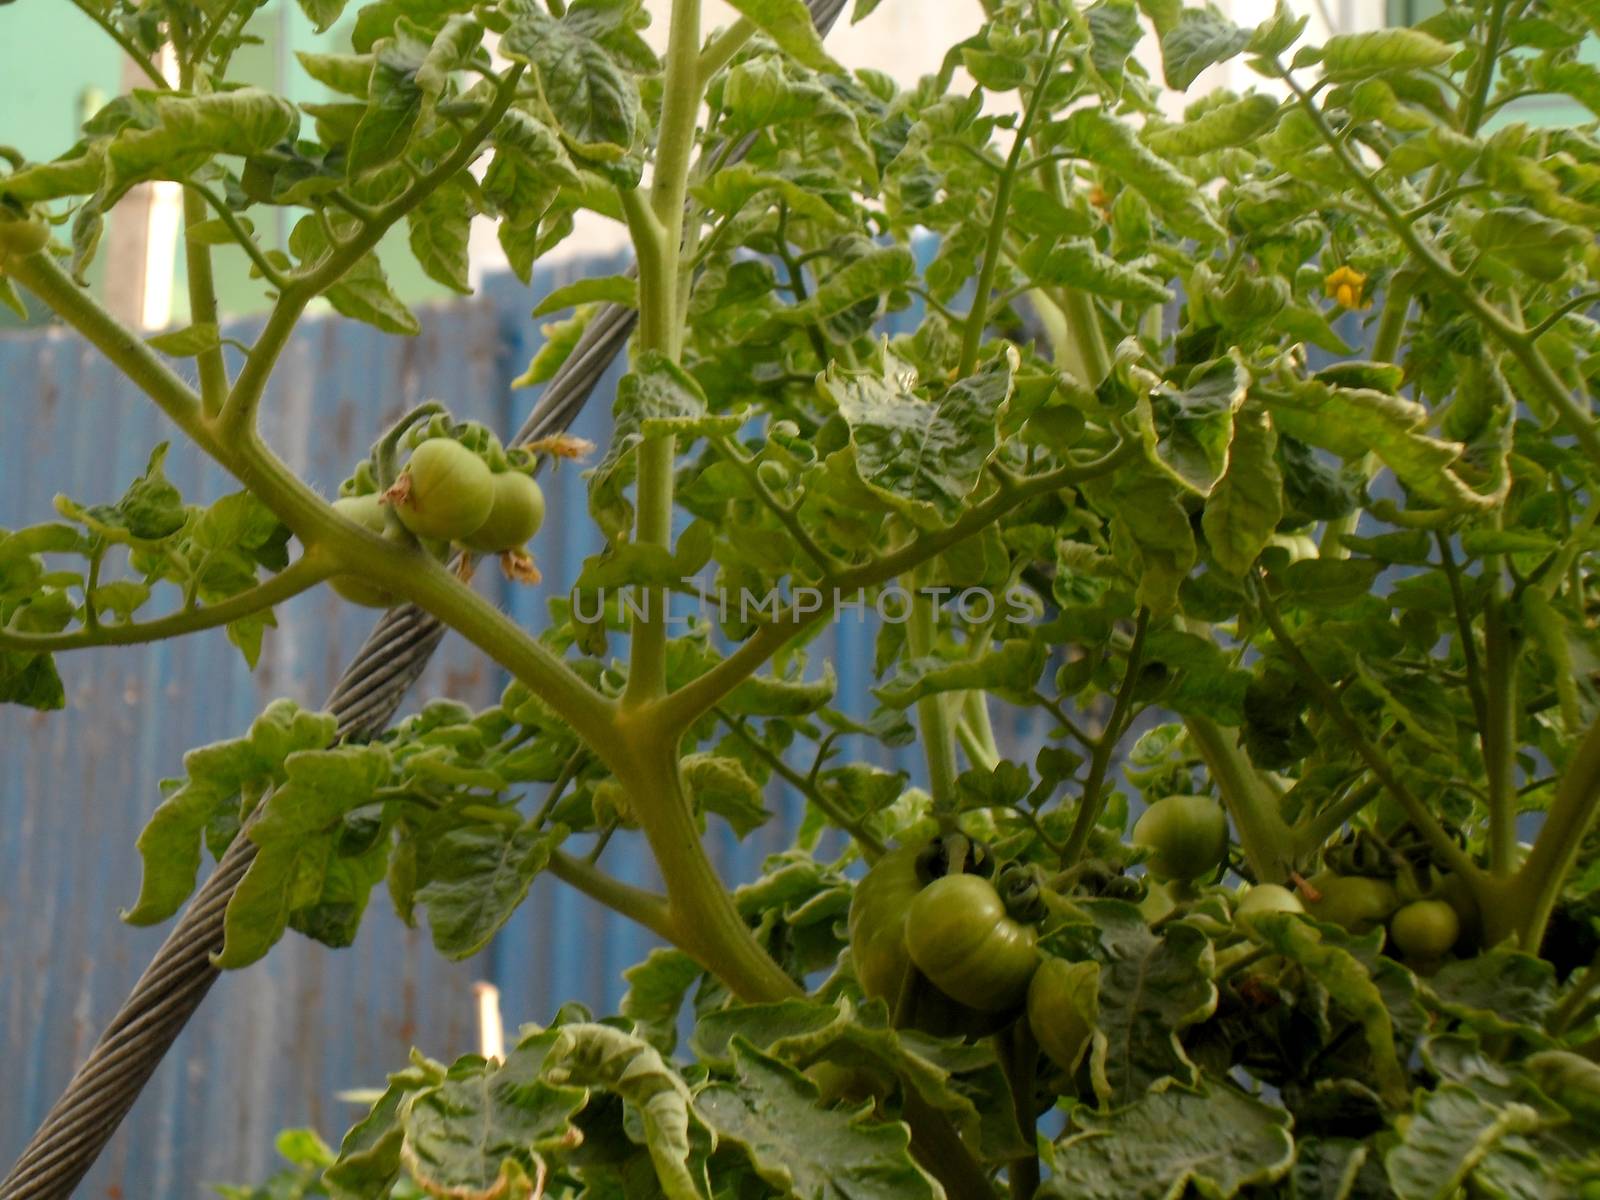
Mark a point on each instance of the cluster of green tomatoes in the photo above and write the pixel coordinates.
(952, 943)
(459, 487)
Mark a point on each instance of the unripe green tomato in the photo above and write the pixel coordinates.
(1265, 898)
(1357, 903)
(515, 515)
(784, 428)
(367, 512)
(448, 491)
(961, 938)
(1062, 999)
(877, 923)
(1187, 837)
(19, 239)
(1425, 929)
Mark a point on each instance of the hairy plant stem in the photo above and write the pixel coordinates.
(305, 572)
(212, 370)
(1537, 885)
(646, 908)
(978, 318)
(1269, 845)
(872, 848)
(239, 411)
(1092, 801)
(933, 713)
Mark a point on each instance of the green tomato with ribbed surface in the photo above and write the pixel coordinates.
(515, 515)
(877, 923)
(961, 937)
(445, 492)
(1187, 837)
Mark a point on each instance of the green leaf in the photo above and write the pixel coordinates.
(440, 228)
(1533, 244)
(593, 102)
(1078, 263)
(721, 785)
(879, 270)
(1012, 670)
(295, 834)
(1347, 983)
(1200, 38)
(394, 103)
(363, 292)
(927, 455)
(1497, 993)
(1114, 147)
(789, 24)
(771, 1115)
(600, 1056)
(656, 989)
(1246, 505)
(1375, 51)
(613, 289)
(31, 681)
(347, 74)
(1451, 1132)
(187, 342)
(1152, 987)
(1150, 532)
(472, 878)
(1236, 123)
(482, 1133)
(656, 389)
(1228, 1142)
(188, 130)
(529, 168)
(323, 13)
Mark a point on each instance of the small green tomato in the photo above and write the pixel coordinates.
(445, 492)
(515, 515)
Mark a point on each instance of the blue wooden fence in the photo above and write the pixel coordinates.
(273, 1044)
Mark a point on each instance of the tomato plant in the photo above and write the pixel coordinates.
(1242, 439)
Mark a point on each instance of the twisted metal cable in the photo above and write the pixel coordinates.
(102, 1090)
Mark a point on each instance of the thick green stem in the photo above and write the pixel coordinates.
(1537, 886)
(978, 318)
(1500, 730)
(1092, 801)
(1310, 836)
(704, 920)
(203, 307)
(646, 908)
(933, 714)
(1268, 843)
(305, 572)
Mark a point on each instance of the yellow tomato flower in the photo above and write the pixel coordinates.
(1346, 285)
